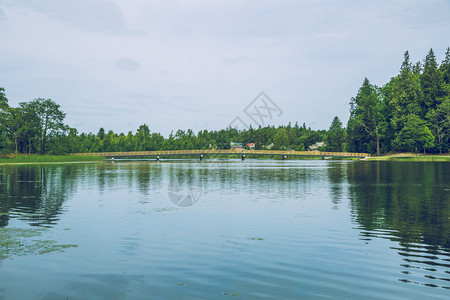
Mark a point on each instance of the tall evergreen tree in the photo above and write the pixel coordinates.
(365, 112)
(335, 136)
(445, 67)
(430, 83)
(3, 116)
(404, 95)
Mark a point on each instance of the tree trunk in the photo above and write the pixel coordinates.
(42, 147)
(43, 144)
(377, 141)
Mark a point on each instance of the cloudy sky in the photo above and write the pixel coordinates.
(198, 64)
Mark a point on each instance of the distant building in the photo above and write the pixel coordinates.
(316, 146)
(237, 146)
(268, 147)
(251, 146)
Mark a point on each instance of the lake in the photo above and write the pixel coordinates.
(225, 229)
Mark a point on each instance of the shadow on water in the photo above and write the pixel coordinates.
(408, 203)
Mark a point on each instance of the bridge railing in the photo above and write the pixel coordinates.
(218, 152)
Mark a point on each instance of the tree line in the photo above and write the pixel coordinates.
(409, 113)
(38, 127)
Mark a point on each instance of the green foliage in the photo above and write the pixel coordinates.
(3, 100)
(414, 135)
(281, 140)
(47, 120)
(445, 67)
(33, 158)
(336, 136)
(3, 116)
(408, 112)
(430, 82)
(366, 119)
(223, 140)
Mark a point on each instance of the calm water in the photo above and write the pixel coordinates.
(256, 230)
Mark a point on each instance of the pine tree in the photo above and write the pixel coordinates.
(404, 95)
(430, 83)
(366, 116)
(336, 136)
(445, 67)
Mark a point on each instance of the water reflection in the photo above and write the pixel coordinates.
(265, 179)
(407, 203)
(34, 193)
(337, 178)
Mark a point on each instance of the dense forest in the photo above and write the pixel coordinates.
(409, 113)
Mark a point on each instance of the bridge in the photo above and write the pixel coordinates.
(243, 153)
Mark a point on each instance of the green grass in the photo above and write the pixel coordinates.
(413, 158)
(34, 158)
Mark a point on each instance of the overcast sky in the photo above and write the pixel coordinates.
(198, 64)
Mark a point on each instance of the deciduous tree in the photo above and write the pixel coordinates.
(50, 119)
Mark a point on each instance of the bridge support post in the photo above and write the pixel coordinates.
(243, 156)
(157, 158)
(201, 157)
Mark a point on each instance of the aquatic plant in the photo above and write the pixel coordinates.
(19, 242)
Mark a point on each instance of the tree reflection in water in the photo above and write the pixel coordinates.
(405, 202)
(34, 194)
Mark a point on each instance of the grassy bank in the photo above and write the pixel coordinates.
(32, 158)
(411, 157)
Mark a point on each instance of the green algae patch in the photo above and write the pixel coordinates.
(19, 242)
(165, 209)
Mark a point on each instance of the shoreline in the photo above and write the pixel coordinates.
(410, 157)
(58, 159)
